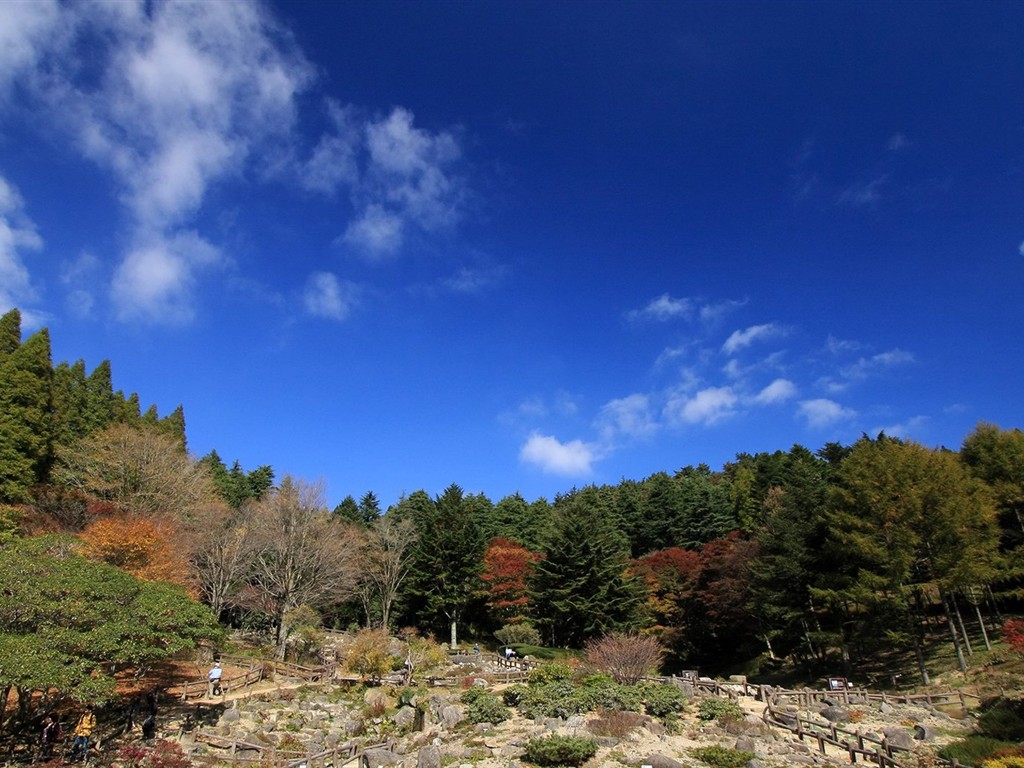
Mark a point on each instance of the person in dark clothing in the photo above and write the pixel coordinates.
(49, 734)
(149, 716)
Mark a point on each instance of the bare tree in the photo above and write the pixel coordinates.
(142, 471)
(223, 552)
(626, 657)
(301, 555)
(387, 551)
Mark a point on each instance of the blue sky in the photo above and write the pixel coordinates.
(522, 246)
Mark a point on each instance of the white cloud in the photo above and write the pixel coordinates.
(377, 232)
(155, 280)
(326, 296)
(25, 31)
(867, 366)
(335, 159)
(175, 98)
(712, 313)
(630, 416)
(17, 235)
(906, 429)
(1020, 250)
(662, 308)
(572, 459)
(778, 391)
(741, 339)
(822, 412)
(705, 407)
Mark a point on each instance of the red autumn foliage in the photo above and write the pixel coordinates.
(507, 566)
(142, 547)
(1013, 634)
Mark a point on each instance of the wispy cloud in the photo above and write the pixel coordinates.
(474, 280)
(17, 236)
(706, 407)
(572, 459)
(778, 391)
(177, 97)
(661, 309)
(862, 193)
(905, 429)
(822, 412)
(327, 296)
(398, 176)
(630, 416)
(897, 142)
(742, 339)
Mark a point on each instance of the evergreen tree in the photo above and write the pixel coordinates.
(69, 403)
(347, 510)
(100, 406)
(369, 508)
(447, 561)
(10, 333)
(173, 424)
(26, 440)
(581, 587)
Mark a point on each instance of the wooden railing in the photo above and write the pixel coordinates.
(243, 752)
(198, 689)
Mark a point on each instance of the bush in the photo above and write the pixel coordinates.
(1002, 719)
(1005, 758)
(549, 673)
(626, 657)
(369, 654)
(560, 750)
(162, 754)
(664, 701)
(722, 757)
(485, 708)
(719, 709)
(615, 722)
(522, 633)
(974, 749)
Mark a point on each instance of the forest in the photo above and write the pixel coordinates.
(824, 559)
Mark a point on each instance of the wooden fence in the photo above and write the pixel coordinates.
(245, 753)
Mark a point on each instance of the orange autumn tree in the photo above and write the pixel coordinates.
(507, 565)
(671, 577)
(142, 547)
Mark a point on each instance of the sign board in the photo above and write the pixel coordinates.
(837, 684)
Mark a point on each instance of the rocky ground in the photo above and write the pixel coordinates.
(313, 718)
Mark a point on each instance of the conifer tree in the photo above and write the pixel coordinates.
(581, 588)
(26, 440)
(100, 406)
(10, 332)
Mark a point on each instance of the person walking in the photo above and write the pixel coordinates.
(213, 677)
(82, 733)
(49, 735)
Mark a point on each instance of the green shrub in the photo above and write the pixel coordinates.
(719, 709)
(522, 633)
(549, 673)
(664, 701)
(484, 707)
(514, 694)
(722, 757)
(1002, 719)
(560, 750)
(973, 749)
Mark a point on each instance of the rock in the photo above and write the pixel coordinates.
(655, 728)
(898, 737)
(836, 714)
(375, 757)
(429, 757)
(576, 721)
(553, 723)
(479, 682)
(606, 741)
(745, 744)
(404, 717)
(885, 708)
(661, 761)
(230, 716)
(451, 716)
(375, 698)
(923, 733)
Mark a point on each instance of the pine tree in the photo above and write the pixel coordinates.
(100, 406)
(26, 429)
(10, 333)
(580, 588)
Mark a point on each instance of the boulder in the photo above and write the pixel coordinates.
(451, 716)
(898, 737)
(375, 757)
(836, 714)
(661, 761)
(429, 757)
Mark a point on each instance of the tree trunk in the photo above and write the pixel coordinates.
(960, 623)
(981, 624)
(282, 640)
(455, 635)
(953, 633)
